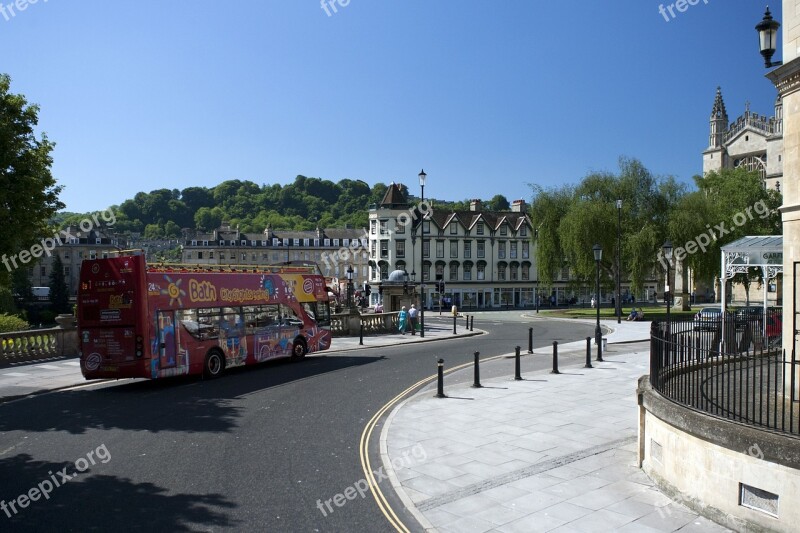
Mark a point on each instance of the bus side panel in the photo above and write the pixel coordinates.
(319, 339)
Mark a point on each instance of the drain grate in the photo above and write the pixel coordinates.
(758, 499)
(656, 451)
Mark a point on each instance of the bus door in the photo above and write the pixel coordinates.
(167, 341)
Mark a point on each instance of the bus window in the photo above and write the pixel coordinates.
(208, 322)
(199, 328)
(258, 317)
(289, 317)
(320, 312)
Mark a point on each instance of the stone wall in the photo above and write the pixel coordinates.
(742, 477)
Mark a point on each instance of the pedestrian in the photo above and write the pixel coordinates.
(402, 319)
(412, 317)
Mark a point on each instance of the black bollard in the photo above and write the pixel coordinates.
(471, 322)
(555, 358)
(600, 349)
(517, 370)
(361, 335)
(454, 324)
(477, 384)
(588, 353)
(466, 326)
(530, 340)
(440, 387)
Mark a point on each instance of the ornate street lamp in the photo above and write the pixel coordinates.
(349, 274)
(598, 334)
(422, 177)
(767, 38)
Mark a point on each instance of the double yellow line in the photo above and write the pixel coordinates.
(363, 447)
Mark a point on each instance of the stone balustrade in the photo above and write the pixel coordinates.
(348, 325)
(29, 345)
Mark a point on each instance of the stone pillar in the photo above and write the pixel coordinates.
(787, 80)
(66, 336)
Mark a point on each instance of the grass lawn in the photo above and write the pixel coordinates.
(650, 313)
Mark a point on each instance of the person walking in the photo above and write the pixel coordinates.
(402, 317)
(412, 317)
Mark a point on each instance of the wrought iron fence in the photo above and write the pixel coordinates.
(730, 366)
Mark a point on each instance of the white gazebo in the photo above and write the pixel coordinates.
(761, 251)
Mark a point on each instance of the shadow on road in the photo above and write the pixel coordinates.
(115, 504)
(178, 404)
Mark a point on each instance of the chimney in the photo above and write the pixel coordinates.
(518, 206)
(475, 205)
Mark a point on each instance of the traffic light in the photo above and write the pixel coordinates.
(367, 289)
(380, 289)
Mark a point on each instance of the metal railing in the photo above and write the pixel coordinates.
(732, 367)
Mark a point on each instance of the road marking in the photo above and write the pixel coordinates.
(15, 374)
(48, 367)
(71, 363)
(363, 446)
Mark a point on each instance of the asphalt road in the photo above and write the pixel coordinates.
(259, 449)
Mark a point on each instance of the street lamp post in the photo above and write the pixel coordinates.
(598, 334)
(667, 292)
(349, 274)
(536, 269)
(619, 261)
(422, 177)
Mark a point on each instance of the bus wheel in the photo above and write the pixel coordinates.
(215, 364)
(299, 348)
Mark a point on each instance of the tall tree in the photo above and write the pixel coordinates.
(499, 203)
(59, 294)
(572, 220)
(728, 205)
(28, 191)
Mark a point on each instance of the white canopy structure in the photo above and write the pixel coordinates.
(763, 251)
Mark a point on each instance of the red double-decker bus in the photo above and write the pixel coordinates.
(153, 321)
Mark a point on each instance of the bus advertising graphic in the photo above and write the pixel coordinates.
(158, 321)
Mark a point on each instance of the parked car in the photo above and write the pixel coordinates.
(774, 330)
(708, 319)
(753, 315)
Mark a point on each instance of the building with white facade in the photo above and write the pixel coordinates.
(484, 258)
(76, 245)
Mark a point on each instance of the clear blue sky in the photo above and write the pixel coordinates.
(486, 96)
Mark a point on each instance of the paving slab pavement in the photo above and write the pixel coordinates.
(548, 453)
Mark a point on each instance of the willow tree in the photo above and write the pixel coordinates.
(572, 219)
